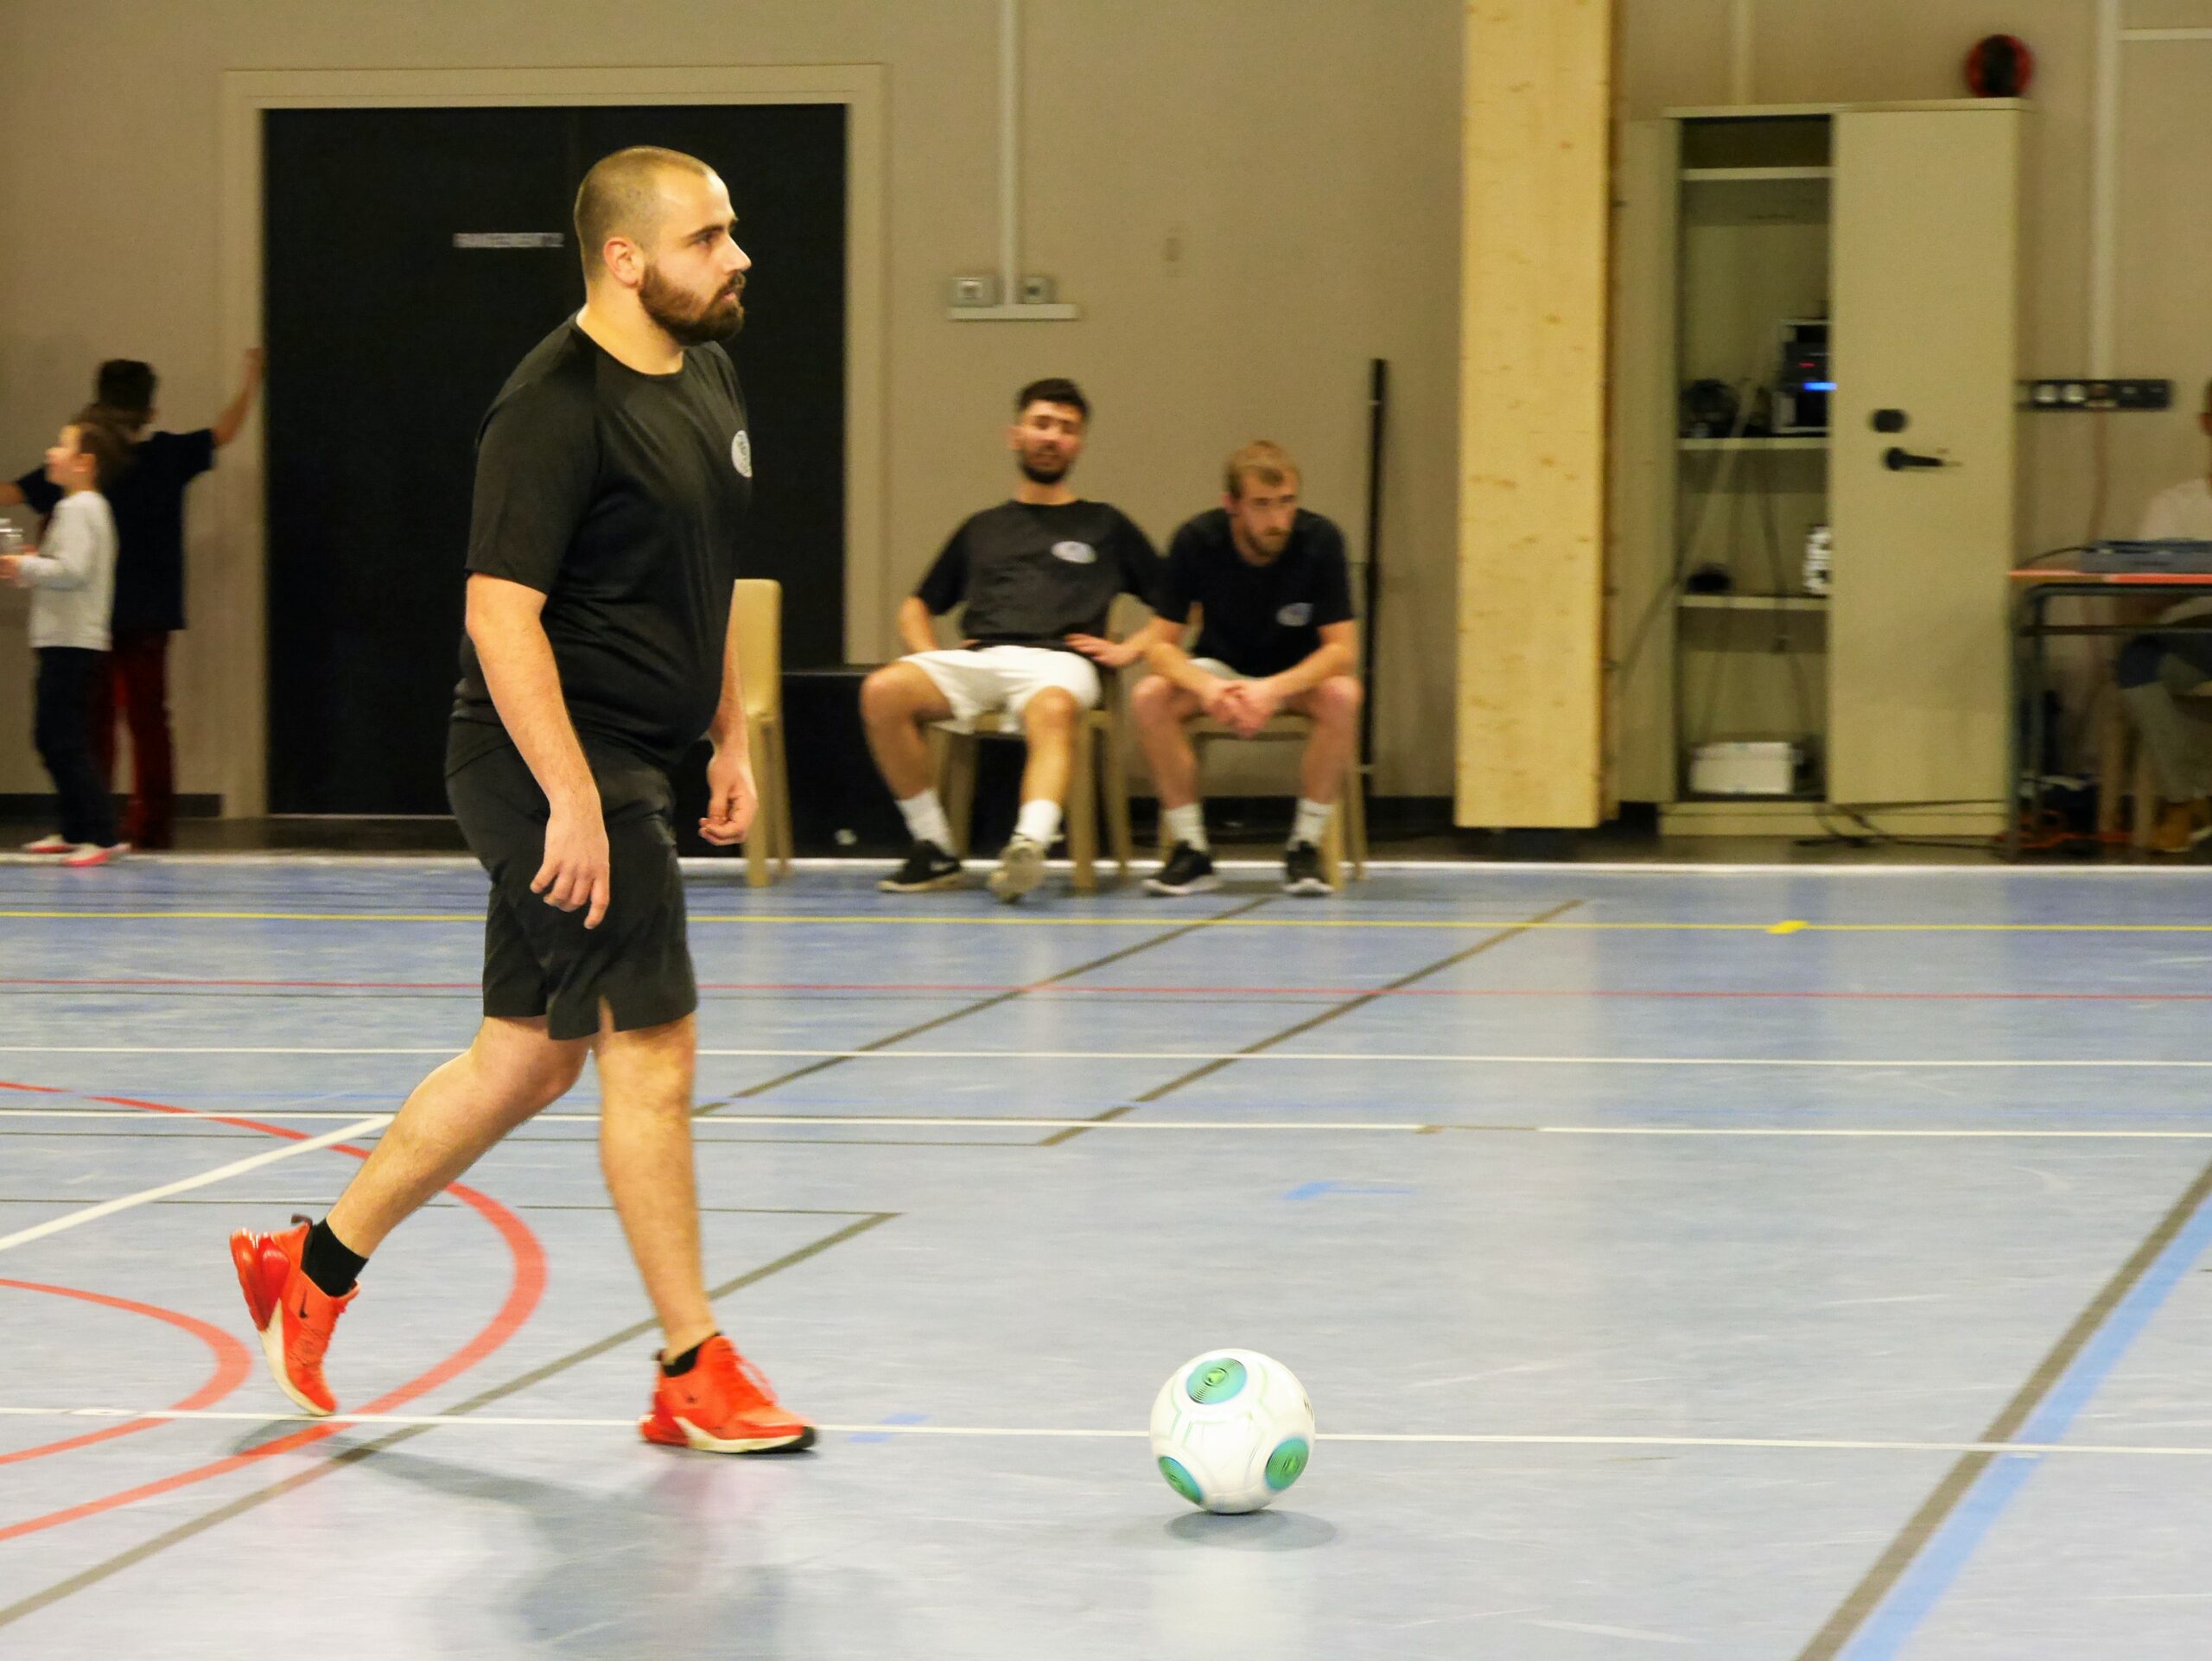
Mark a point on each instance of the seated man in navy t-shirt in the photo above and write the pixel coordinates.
(1273, 593)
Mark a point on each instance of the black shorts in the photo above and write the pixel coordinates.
(539, 960)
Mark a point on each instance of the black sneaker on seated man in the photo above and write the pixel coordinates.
(1301, 871)
(1189, 869)
(928, 867)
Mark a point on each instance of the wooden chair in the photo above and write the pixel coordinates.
(758, 607)
(1347, 831)
(1098, 780)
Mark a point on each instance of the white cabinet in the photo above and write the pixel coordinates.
(1900, 227)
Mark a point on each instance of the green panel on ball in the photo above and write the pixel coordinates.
(1179, 1480)
(1215, 1381)
(1287, 1463)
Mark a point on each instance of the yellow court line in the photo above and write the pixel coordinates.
(1792, 925)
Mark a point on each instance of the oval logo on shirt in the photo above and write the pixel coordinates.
(1295, 616)
(740, 453)
(1075, 553)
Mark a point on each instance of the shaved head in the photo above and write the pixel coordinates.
(621, 196)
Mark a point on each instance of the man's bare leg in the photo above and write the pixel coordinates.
(645, 1149)
(511, 1070)
(1334, 707)
(1048, 722)
(897, 702)
(1162, 710)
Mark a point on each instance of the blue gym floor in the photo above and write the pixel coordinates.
(1731, 1262)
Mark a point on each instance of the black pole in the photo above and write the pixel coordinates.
(1378, 407)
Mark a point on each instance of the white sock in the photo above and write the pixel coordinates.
(1187, 825)
(1312, 823)
(924, 816)
(1039, 821)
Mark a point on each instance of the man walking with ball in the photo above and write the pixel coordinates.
(612, 475)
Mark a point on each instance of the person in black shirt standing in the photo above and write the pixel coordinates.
(147, 494)
(1273, 593)
(612, 475)
(1037, 576)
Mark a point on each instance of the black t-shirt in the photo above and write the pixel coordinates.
(1259, 620)
(619, 496)
(148, 499)
(1033, 575)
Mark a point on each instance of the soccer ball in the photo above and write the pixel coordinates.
(1231, 1429)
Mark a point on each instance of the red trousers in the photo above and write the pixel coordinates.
(137, 680)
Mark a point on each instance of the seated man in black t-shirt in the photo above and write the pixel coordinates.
(1037, 575)
(146, 495)
(1273, 593)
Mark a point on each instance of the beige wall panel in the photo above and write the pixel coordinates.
(1300, 158)
(2164, 266)
(1532, 412)
(2166, 13)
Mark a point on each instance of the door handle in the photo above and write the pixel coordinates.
(1897, 459)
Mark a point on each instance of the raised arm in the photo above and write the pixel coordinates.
(231, 422)
(505, 624)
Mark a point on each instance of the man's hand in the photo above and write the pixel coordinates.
(731, 799)
(10, 564)
(256, 365)
(1113, 654)
(1248, 705)
(576, 873)
(1219, 700)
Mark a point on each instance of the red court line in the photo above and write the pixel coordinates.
(231, 1365)
(522, 1294)
(1064, 989)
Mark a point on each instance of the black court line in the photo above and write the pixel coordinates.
(977, 1007)
(359, 1452)
(1866, 1597)
(1509, 931)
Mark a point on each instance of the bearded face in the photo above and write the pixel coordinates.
(688, 316)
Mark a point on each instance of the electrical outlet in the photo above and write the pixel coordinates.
(973, 293)
(2085, 394)
(1037, 290)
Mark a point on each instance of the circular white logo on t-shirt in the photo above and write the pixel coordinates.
(1075, 553)
(1295, 616)
(740, 453)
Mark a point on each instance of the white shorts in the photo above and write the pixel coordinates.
(991, 678)
(1220, 670)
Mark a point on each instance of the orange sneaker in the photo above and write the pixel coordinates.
(722, 1406)
(294, 1315)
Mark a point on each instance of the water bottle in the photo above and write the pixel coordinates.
(1819, 544)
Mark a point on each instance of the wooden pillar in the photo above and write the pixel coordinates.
(1532, 470)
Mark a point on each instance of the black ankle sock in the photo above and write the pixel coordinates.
(677, 1366)
(328, 1262)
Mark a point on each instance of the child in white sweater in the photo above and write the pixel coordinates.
(72, 574)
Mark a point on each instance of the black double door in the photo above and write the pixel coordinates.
(411, 262)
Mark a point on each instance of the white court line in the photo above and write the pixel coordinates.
(1488, 870)
(109, 1207)
(1498, 1439)
(1396, 1127)
(1357, 1058)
